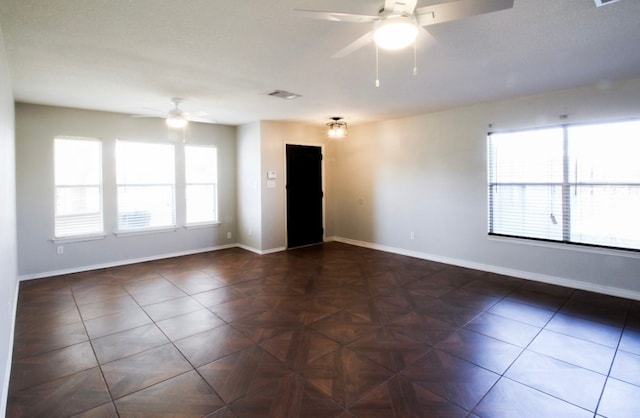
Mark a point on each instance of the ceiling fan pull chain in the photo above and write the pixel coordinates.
(377, 69)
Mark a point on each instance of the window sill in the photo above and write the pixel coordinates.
(145, 231)
(79, 238)
(203, 225)
(570, 247)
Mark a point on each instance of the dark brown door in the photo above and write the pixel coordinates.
(304, 195)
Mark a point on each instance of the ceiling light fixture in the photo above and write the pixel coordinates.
(337, 128)
(284, 94)
(395, 32)
(604, 2)
(176, 121)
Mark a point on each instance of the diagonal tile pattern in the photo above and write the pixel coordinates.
(562, 380)
(345, 375)
(326, 331)
(300, 347)
(186, 395)
(454, 379)
(400, 398)
(389, 348)
(246, 371)
(62, 397)
(130, 374)
(292, 397)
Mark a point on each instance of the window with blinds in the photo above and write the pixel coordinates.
(575, 183)
(78, 187)
(145, 175)
(201, 176)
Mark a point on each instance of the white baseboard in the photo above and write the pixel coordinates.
(261, 252)
(122, 262)
(144, 259)
(527, 275)
(273, 250)
(522, 274)
(4, 396)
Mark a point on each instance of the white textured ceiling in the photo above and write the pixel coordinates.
(131, 56)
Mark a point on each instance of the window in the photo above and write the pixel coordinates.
(201, 174)
(575, 183)
(145, 174)
(78, 187)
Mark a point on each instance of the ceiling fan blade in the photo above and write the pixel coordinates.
(200, 119)
(335, 16)
(355, 45)
(400, 6)
(199, 116)
(409, 6)
(445, 12)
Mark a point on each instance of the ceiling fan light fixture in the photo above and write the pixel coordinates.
(337, 128)
(176, 121)
(395, 32)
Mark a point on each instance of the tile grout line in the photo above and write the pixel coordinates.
(524, 349)
(90, 340)
(613, 360)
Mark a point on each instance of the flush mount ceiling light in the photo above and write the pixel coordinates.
(337, 128)
(176, 118)
(176, 121)
(604, 2)
(284, 94)
(395, 32)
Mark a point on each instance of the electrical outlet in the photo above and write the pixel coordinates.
(228, 235)
(60, 250)
(412, 235)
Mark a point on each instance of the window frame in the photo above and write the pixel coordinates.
(567, 186)
(98, 234)
(172, 226)
(187, 183)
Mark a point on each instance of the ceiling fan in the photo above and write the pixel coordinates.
(396, 25)
(176, 117)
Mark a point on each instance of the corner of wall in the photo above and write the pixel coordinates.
(8, 239)
(248, 170)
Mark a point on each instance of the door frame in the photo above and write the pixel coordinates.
(324, 194)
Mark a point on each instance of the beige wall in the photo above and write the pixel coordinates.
(262, 204)
(275, 136)
(249, 187)
(36, 128)
(427, 175)
(8, 244)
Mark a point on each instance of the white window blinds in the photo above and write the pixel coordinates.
(146, 185)
(78, 187)
(575, 183)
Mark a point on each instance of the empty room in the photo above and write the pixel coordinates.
(319, 208)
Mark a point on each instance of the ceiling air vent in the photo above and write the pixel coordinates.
(604, 2)
(283, 94)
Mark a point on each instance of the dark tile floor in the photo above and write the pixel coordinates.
(326, 331)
